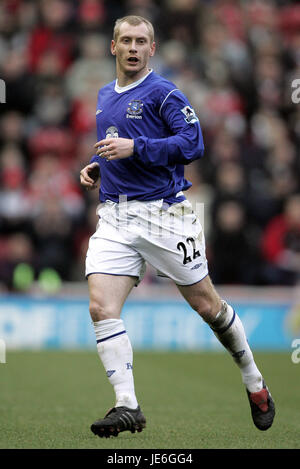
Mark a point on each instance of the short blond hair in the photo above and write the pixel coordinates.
(133, 20)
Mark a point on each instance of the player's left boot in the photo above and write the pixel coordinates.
(262, 407)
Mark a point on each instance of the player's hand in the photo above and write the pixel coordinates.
(114, 148)
(89, 176)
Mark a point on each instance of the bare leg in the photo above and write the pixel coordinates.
(226, 326)
(203, 298)
(107, 296)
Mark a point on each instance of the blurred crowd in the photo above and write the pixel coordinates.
(237, 62)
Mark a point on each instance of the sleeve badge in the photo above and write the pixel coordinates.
(190, 115)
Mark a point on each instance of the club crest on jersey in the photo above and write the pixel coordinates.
(135, 109)
(190, 115)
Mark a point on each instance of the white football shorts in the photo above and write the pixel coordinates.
(129, 234)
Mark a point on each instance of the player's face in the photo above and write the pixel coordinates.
(132, 49)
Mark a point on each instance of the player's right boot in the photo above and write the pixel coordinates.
(262, 407)
(119, 419)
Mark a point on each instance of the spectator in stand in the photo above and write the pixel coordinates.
(15, 250)
(14, 203)
(12, 131)
(52, 106)
(222, 148)
(232, 252)
(146, 8)
(91, 16)
(283, 170)
(180, 20)
(20, 84)
(281, 245)
(91, 67)
(51, 178)
(51, 231)
(230, 184)
(84, 78)
(51, 44)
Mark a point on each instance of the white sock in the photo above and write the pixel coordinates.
(115, 352)
(228, 328)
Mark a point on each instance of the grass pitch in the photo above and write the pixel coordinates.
(48, 399)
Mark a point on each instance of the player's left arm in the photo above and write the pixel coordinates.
(185, 143)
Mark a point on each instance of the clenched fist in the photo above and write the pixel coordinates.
(89, 176)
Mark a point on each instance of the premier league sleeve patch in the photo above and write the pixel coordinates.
(190, 115)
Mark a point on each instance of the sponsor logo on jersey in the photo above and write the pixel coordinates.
(98, 111)
(135, 109)
(190, 115)
(112, 132)
(109, 373)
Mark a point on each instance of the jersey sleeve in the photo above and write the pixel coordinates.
(184, 145)
(95, 159)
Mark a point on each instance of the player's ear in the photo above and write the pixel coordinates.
(113, 47)
(152, 49)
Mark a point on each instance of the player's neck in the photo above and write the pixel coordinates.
(124, 79)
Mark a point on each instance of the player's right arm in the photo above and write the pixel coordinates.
(89, 176)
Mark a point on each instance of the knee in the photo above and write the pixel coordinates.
(207, 308)
(100, 311)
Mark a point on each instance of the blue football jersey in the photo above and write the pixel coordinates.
(166, 133)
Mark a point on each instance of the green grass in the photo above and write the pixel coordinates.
(48, 399)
